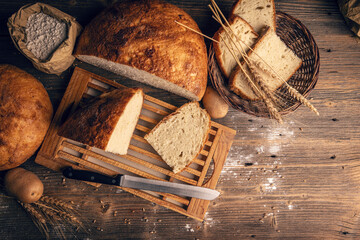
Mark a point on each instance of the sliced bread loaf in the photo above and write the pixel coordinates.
(258, 13)
(244, 34)
(179, 137)
(276, 54)
(107, 122)
(142, 41)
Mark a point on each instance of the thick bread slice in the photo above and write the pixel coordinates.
(179, 137)
(141, 40)
(258, 13)
(244, 34)
(275, 53)
(107, 122)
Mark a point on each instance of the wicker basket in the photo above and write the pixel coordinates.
(298, 38)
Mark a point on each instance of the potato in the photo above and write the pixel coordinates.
(214, 104)
(24, 185)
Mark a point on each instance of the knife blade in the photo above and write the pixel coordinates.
(128, 181)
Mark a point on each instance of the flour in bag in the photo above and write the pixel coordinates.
(44, 34)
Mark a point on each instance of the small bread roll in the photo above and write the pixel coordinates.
(214, 104)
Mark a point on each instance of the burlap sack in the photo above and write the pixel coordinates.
(350, 9)
(61, 59)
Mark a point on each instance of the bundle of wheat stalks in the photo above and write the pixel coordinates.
(49, 211)
(257, 84)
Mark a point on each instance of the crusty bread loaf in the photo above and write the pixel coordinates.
(25, 116)
(179, 137)
(275, 53)
(258, 14)
(244, 33)
(107, 122)
(141, 40)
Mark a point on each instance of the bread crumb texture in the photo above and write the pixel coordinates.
(179, 137)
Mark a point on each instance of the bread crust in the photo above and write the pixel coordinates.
(25, 116)
(234, 6)
(216, 45)
(237, 90)
(94, 123)
(143, 34)
(176, 112)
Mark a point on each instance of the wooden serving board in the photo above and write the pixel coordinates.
(141, 160)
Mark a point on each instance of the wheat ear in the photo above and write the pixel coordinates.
(67, 216)
(56, 202)
(271, 100)
(295, 94)
(38, 218)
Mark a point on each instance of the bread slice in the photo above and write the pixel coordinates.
(244, 34)
(275, 53)
(179, 137)
(142, 41)
(107, 122)
(258, 13)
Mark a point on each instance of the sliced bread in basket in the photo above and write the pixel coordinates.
(243, 38)
(279, 60)
(258, 13)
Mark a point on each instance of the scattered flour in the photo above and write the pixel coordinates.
(209, 221)
(188, 228)
(44, 34)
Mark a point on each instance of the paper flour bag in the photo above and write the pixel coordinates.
(45, 35)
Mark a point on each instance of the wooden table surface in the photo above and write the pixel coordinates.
(300, 179)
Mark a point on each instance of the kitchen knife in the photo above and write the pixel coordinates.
(143, 183)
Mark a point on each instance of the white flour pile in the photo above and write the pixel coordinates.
(44, 34)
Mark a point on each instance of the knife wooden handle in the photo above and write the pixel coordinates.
(89, 176)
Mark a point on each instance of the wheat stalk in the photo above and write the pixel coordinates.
(56, 202)
(270, 102)
(298, 96)
(264, 92)
(251, 84)
(49, 211)
(193, 30)
(293, 92)
(63, 214)
(38, 218)
(269, 98)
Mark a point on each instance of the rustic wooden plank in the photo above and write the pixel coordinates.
(325, 206)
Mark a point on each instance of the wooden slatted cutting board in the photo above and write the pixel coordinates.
(141, 160)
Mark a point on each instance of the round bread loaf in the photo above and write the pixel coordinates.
(25, 115)
(141, 40)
